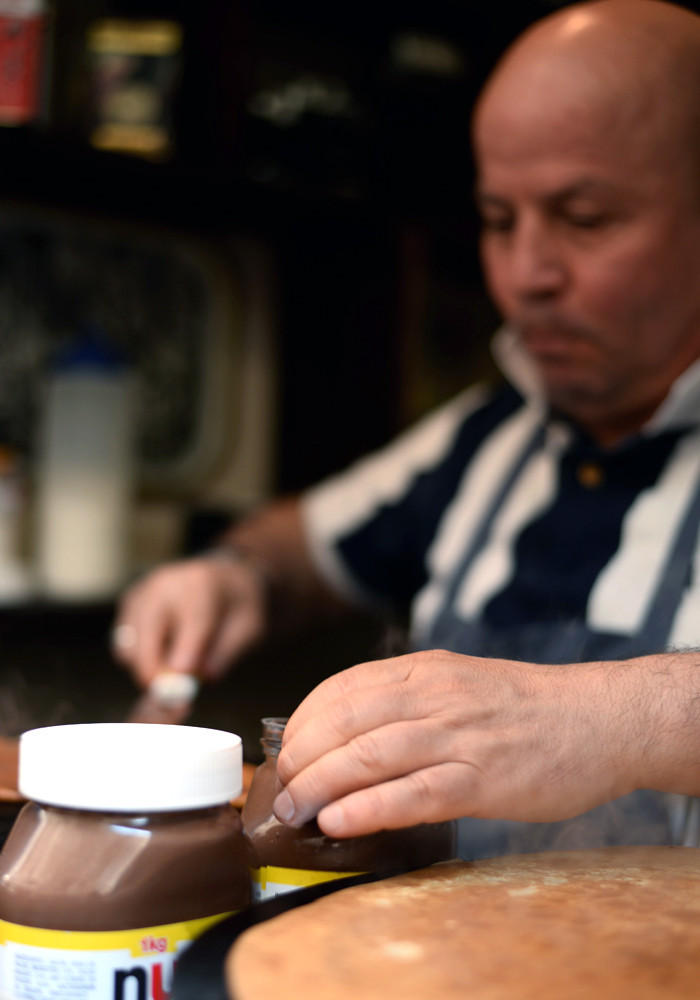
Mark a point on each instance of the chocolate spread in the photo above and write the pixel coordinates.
(73, 870)
(128, 826)
(310, 849)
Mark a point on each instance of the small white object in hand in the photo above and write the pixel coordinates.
(171, 687)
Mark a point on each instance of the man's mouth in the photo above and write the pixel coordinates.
(550, 341)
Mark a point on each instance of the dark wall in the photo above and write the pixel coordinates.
(359, 207)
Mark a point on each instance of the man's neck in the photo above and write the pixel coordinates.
(609, 430)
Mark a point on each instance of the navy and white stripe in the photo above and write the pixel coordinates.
(393, 529)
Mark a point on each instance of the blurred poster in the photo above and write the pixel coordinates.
(135, 70)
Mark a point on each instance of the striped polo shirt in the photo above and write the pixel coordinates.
(581, 534)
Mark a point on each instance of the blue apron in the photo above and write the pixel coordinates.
(639, 818)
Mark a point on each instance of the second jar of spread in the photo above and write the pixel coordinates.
(128, 849)
(289, 859)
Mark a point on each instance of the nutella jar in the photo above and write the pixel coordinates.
(128, 850)
(289, 859)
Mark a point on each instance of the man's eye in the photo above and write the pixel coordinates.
(585, 220)
(496, 223)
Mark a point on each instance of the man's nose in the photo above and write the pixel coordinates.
(537, 268)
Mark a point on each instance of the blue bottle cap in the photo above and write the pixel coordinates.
(92, 349)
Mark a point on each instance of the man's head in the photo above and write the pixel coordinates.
(587, 141)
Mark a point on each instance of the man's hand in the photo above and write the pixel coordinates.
(200, 615)
(195, 616)
(436, 735)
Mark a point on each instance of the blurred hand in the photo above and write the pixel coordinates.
(435, 735)
(196, 616)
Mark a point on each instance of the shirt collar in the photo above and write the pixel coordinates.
(680, 408)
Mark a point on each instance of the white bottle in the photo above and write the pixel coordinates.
(85, 472)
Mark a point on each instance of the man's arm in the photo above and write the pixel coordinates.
(274, 541)
(437, 735)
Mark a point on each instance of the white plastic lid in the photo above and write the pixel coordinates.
(130, 767)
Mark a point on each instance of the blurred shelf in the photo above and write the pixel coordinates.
(47, 169)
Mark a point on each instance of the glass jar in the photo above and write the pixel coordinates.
(128, 849)
(289, 859)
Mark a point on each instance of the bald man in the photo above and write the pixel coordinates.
(543, 535)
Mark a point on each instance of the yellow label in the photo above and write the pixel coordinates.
(270, 880)
(39, 964)
(141, 941)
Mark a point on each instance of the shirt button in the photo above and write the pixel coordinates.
(590, 475)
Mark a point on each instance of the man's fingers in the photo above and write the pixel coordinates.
(332, 693)
(365, 698)
(238, 632)
(141, 646)
(193, 617)
(430, 795)
(383, 754)
(151, 650)
(357, 719)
